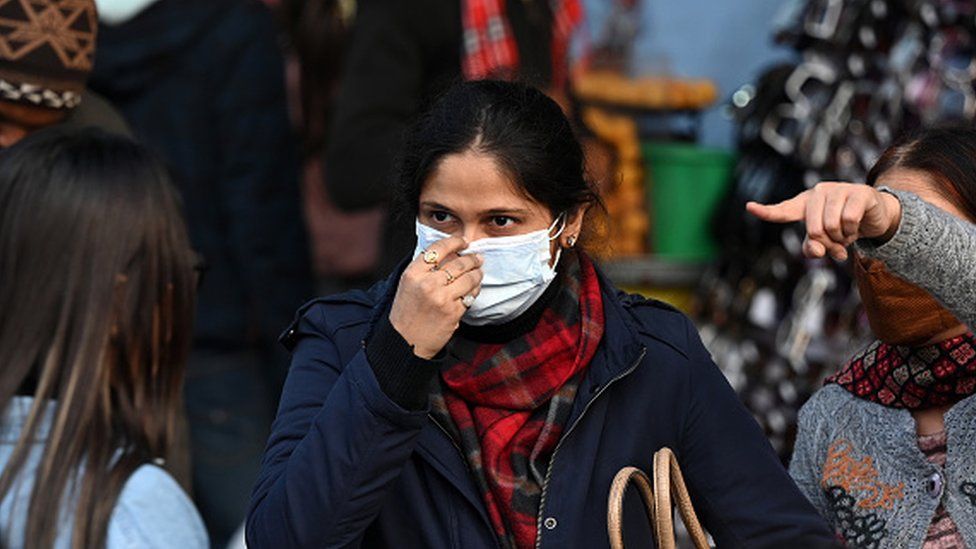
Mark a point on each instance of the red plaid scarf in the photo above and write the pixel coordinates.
(914, 378)
(490, 50)
(507, 404)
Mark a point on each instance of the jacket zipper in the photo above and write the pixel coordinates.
(552, 459)
(465, 462)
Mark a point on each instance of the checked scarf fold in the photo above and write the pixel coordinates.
(490, 50)
(914, 378)
(507, 404)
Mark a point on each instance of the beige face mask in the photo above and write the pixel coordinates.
(900, 313)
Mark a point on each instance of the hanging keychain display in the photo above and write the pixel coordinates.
(866, 71)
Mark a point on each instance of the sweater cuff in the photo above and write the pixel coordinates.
(910, 219)
(402, 375)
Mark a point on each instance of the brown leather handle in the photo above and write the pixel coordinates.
(615, 507)
(668, 481)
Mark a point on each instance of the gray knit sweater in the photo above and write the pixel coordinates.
(934, 250)
(860, 465)
(858, 461)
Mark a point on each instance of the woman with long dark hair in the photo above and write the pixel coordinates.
(97, 299)
(487, 392)
(885, 450)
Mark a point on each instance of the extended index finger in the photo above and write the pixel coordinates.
(784, 212)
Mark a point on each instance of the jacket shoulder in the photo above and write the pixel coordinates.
(254, 12)
(237, 24)
(330, 314)
(660, 321)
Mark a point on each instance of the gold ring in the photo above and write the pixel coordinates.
(450, 277)
(430, 257)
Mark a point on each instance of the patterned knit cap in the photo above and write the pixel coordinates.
(47, 48)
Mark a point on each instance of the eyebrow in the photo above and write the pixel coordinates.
(493, 211)
(506, 211)
(434, 205)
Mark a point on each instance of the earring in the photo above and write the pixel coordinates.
(571, 241)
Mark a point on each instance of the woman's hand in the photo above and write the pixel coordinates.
(836, 214)
(428, 307)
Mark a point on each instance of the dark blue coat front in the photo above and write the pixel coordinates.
(346, 466)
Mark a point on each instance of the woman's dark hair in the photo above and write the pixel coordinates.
(947, 155)
(523, 129)
(97, 297)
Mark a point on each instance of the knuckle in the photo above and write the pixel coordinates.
(426, 284)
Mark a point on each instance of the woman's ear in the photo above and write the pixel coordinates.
(574, 225)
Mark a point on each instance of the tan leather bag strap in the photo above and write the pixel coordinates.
(657, 496)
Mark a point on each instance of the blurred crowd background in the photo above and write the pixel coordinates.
(281, 120)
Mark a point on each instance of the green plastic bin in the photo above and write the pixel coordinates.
(685, 183)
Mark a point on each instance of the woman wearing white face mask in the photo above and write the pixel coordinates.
(487, 392)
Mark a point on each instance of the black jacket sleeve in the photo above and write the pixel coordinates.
(336, 449)
(741, 490)
(399, 54)
(259, 171)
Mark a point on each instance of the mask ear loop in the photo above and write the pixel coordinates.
(561, 217)
(559, 249)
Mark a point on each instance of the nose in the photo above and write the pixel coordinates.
(473, 232)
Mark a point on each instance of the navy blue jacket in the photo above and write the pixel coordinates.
(346, 466)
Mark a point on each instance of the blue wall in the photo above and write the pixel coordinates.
(728, 41)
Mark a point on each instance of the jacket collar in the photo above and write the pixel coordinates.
(619, 352)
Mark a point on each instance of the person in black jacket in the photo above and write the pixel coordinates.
(202, 83)
(487, 392)
(399, 57)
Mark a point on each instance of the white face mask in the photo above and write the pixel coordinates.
(114, 12)
(516, 270)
